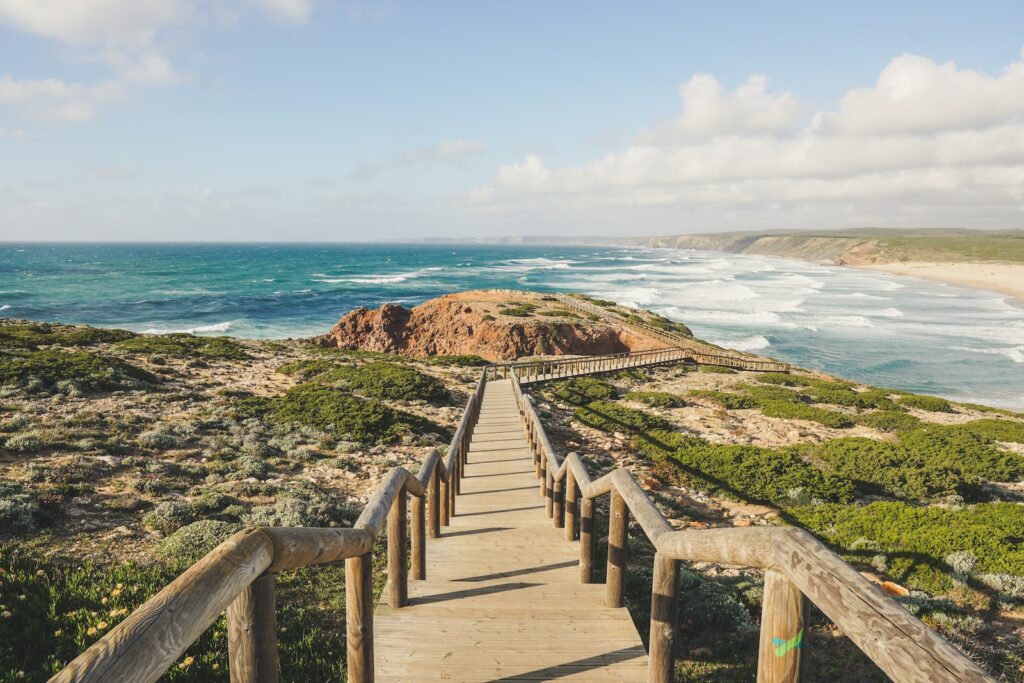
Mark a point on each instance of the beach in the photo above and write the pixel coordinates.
(1007, 278)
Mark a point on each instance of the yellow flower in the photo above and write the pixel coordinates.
(40, 572)
(103, 601)
(7, 614)
(116, 592)
(187, 662)
(91, 631)
(102, 625)
(215, 666)
(119, 586)
(58, 633)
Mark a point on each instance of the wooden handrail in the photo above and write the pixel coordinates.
(797, 566)
(237, 577)
(712, 354)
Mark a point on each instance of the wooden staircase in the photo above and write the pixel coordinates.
(502, 600)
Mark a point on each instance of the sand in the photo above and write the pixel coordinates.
(1006, 278)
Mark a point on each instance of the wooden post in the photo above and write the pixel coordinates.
(558, 504)
(618, 523)
(398, 576)
(570, 505)
(434, 502)
(587, 540)
(359, 617)
(543, 474)
(663, 619)
(457, 465)
(252, 634)
(445, 502)
(549, 485)
(784, 613)
(419, 538)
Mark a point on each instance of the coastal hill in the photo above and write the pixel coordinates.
(494, 324)
(125, 457)
(974, 258)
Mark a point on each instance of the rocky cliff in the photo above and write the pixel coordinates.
(496, 325)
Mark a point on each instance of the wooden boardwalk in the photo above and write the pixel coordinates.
(502, 600)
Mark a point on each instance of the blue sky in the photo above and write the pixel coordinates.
(323, 120)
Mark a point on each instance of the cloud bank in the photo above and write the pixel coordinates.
(928, 143)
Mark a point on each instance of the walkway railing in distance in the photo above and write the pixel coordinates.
(238, 577)
(700, 352)
(544, 370)
(798, 568)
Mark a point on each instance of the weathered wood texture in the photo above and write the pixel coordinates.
(783, 626)
(664, 591)
(503, 599)
(359, 618)
(252, 634)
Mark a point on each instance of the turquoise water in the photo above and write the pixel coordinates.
(961, 343)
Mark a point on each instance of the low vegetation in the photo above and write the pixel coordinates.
(48, 371)
(184, 346)
(656, 399)
(583, 390)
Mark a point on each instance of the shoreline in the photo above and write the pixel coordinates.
(1003, 278)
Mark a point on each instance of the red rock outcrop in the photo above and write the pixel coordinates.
(474, 323)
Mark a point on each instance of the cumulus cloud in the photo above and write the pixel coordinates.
(134, 38)
(924, 136)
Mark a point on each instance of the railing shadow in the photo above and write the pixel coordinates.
(520, 572)
(576, 667)
(471, 593)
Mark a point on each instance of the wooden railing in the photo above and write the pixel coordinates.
(540, 371)
(798, 568)
(699, 351)
(238, 577)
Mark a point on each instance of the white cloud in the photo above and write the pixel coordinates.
(54, 99)
(449, 151)
(925, 137)
(134, 38)
(296, 11)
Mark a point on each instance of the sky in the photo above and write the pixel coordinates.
(354, 120)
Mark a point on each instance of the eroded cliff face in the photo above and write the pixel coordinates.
(477, 323)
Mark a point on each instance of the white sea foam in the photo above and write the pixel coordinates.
(377, 279)
(215, 327)
(5, 307)
(752, 343)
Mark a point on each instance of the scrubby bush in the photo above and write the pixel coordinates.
(583, 390)
(41, 371)
(168, 517)
(777, 476)
(33, 335)
(158, 440)
(519, 309)
(800, 411)
(457, 361)
(307, 368)
(314, 508)
(917, 541)
(192, 541)
(250, 466)
(713, 614)
(996, 430)
(19, 511)
(611, 417)
(389, 381)
(26, 442)
(656, 399)
(329, 409)
(725, 399)
(178, 345)
(931, 403)
(716, 369)
(888, 421)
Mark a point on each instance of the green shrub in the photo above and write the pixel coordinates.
(777, 476)
(782, 379)
(717, 369)
(49, 371)
(763, 394)
(314, 509)
(916, 541)
(611, 417)
(583, 390)
(932, 403)
(656, 399)
(800, 411)
(391, 381)
(996, 430)
(19, 510)
(713, 615)
(179, 345)
(306, 368)
(27, 442)
(892, 421)
(336, 411)
(168, 517)
(192, 541)
(927, 463)
(457, 361)
(725, 399)
(33, 335)
(519, 309)
(846, 396)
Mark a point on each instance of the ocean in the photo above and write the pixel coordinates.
(964, 344)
